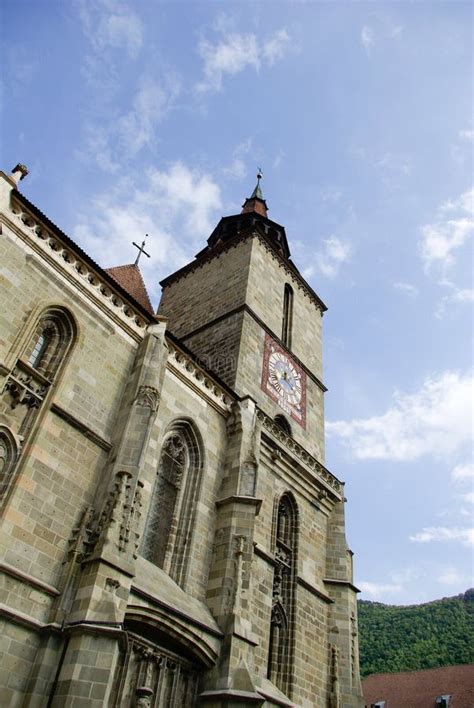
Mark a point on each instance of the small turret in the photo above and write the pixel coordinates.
(256, 202)
(18, 173)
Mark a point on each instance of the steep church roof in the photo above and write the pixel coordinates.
(131, 280)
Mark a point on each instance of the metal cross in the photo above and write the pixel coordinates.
(141, 249)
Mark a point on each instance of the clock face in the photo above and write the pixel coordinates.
(284, 381)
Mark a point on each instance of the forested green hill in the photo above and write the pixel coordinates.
(406, 638)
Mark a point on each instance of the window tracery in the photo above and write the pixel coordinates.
(30, 379)
(280, 652)
(50, 342)
(8, 455)
(169, 524)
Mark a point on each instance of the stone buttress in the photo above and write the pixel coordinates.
(232, 680)
(98, 575)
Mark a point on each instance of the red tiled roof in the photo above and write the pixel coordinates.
(420, 689)
(130, 278)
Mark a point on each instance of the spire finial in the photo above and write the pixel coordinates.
(257, 192)
(141, 249)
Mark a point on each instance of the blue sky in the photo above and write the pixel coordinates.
(151, 117)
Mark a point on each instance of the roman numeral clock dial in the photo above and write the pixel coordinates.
(284, 381)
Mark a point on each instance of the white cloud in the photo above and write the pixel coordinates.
(336, 252)
(367, 38)
(463, 472)
(124, 136)
(444, 533)
(467, 135)
(468, 497)
(407, 288)
(236, 52)
(436, 420)
(276, 46)
(110, 24)
(329, 260)
(453, 225)
(456, 297)
(461, 295)
(377, 590)
(395, 162)
(176, 207)
(151, 103)
(391, 166)
(278, 159)
(238, 168)
(450, 576)
(330, 195)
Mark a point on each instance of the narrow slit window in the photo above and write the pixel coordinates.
(287, 315)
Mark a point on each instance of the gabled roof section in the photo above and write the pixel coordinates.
(130, 278)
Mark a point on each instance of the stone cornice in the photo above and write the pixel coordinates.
(81, 427)
(327, 480)
(241, 499)
(64, 255)
(29, 580)
(26, 620)
(184, 367)
(313, 590)
(154, 600)
(344, 583)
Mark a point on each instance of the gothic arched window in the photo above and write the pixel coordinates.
(287, 316)
(173, 501)
(281, 641)
(50, 342)
(8, 455)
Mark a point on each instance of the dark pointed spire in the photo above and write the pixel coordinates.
(256, 202)
(257, 192)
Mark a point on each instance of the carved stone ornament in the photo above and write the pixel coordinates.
(148, 397)
(24, 389)
(143, 697)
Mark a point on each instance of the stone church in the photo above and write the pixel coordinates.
(170, 536)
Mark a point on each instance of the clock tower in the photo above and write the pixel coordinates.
(246, 313)
(244, 309)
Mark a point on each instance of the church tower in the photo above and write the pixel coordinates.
(244, 309)
(245, 312)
